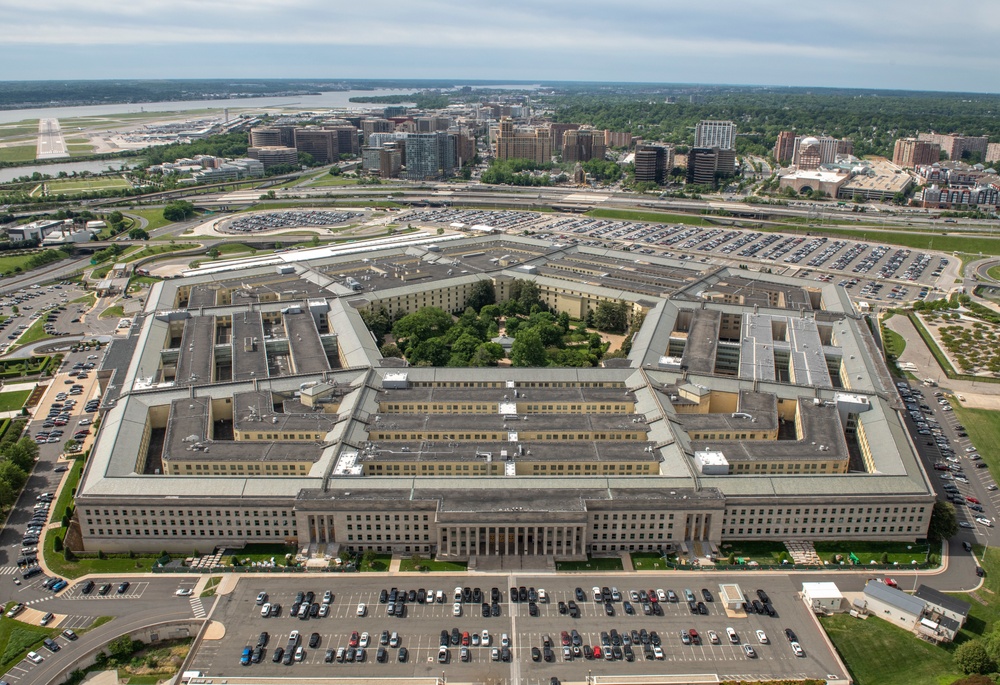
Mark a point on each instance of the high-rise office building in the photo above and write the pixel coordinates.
(429, 155)
(275, 155)
(534, 144)
(394, 111)
(653, 163)
(992, 152)
(784, 147)
(707, 164)
(370, 126)
(617, 139)
(910, 152)
(712, 133)
(328, 143)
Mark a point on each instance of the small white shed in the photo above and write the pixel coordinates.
(824, 597)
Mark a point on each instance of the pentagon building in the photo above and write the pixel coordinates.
(252, 405)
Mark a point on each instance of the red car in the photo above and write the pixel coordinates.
(973, 500)
(354, 640)
(653, 599)
(891, 583)
(565, 639)
(597, 652)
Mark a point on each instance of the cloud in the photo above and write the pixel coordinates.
(735, 41)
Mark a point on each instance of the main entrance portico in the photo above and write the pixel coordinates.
(464, 541)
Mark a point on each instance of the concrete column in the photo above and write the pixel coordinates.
(440, 541)
(496, 540)
(313, 533)
(534, 540)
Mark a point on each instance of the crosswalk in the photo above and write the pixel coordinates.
(198, 607)
(8, 570)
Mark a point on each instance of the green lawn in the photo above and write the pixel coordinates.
(260, 552)
(867, 551)
(658, 217)
(379, 563)
(115, 310)
(592, 564)
(994, 272)
(12, 401)
(878, 653)
(112, 564)
(18, 153)
(90, 299)
(648, 561)
(14, 262)
(34, 333)
(26, 127)
(328, 180)
(67, 493)
(153, 216)
(17, 639)
(983, 427)
(894, 342)
(407, 564)
(86, 185)
(766, 552)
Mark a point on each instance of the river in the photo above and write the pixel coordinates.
(331, 100)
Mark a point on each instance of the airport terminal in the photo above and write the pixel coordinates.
(250, 403)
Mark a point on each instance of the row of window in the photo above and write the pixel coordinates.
(915, 509)
(500, 436)
(186, 533)
(246, 513)
(268, 469)
(279, 436)
(821, 530)
(822, 519)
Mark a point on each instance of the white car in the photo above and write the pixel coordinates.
(365, 639)
(362, 609)
(486, 638)
(657, 652)
(797, 649)
(456, 609)
(35, 657)
(187, 592)
(265, 610)
(762, 637)
(985, 521)
(504, 640)
(661, 595)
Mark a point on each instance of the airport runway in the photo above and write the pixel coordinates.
(51, 144)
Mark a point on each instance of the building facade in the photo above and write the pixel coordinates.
(653, 163)
(710, 133)
(910, 152)
(534, 144)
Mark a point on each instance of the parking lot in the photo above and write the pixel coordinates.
(420, 631)
(872, 271)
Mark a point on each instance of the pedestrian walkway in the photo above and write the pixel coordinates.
(198, 607)
(394, 564)
(8, 570)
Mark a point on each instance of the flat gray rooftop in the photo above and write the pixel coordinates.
(496, 422)
(196, 360)
(304, 343)
(822, 439)
(290, 417)
(577, 451)
(762, 408)
(202, 296)
(249, 356)
(702, 341)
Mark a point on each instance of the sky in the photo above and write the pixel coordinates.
(905, 44)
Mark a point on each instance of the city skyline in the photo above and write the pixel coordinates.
(757, 43)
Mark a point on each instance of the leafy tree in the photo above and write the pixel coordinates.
(13, 475)
(213, 253)
(23, 453)
(428, 322)
(7, 494)
(611, 317)
(944, 521)
(178, 210)
(971, 657)
(528, 349)
(390, 350)
(487, 354)
(336, 170)
(378, 321)
(430, 352)
(483, 293)
(138, 234)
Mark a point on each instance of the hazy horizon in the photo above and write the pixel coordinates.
(893, 45)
